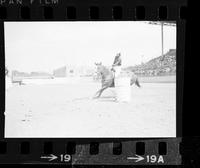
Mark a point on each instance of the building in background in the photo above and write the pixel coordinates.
(80, 71)
(60, 72)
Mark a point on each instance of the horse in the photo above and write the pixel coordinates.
(107, 79)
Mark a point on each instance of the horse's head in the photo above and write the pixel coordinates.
(99, 67)
(104, 71)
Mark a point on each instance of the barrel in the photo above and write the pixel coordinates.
(123, 89)
(8, 82)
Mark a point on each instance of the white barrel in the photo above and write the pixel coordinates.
(123, 89)
(8, 82)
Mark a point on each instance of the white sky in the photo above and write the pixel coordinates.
(44, 46)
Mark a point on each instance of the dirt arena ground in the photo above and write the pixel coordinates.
(68, 110)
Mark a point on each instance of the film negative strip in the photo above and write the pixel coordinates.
(58, 59)
(94, 152)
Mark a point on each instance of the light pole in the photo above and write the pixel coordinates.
(162, 42)
(163, 23)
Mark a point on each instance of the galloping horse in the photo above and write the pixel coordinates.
(107, 79)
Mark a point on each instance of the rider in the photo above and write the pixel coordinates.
(116, 66)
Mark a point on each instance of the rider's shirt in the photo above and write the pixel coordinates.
(116, 67)
(117, 61)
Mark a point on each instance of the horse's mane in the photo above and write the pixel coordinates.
(106, 72)
(106, 68)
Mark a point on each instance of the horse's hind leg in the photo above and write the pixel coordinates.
(134, 80)
(137, 82)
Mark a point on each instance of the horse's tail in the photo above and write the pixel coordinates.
(137, 82)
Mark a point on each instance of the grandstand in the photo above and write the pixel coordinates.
(162, 65)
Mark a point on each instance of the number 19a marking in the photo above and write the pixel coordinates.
(155, 159)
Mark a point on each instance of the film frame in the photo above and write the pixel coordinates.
(95, 151)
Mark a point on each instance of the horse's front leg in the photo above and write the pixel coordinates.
(101, 91)
(98, 93)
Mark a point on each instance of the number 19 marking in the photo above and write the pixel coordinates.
(65, 158)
